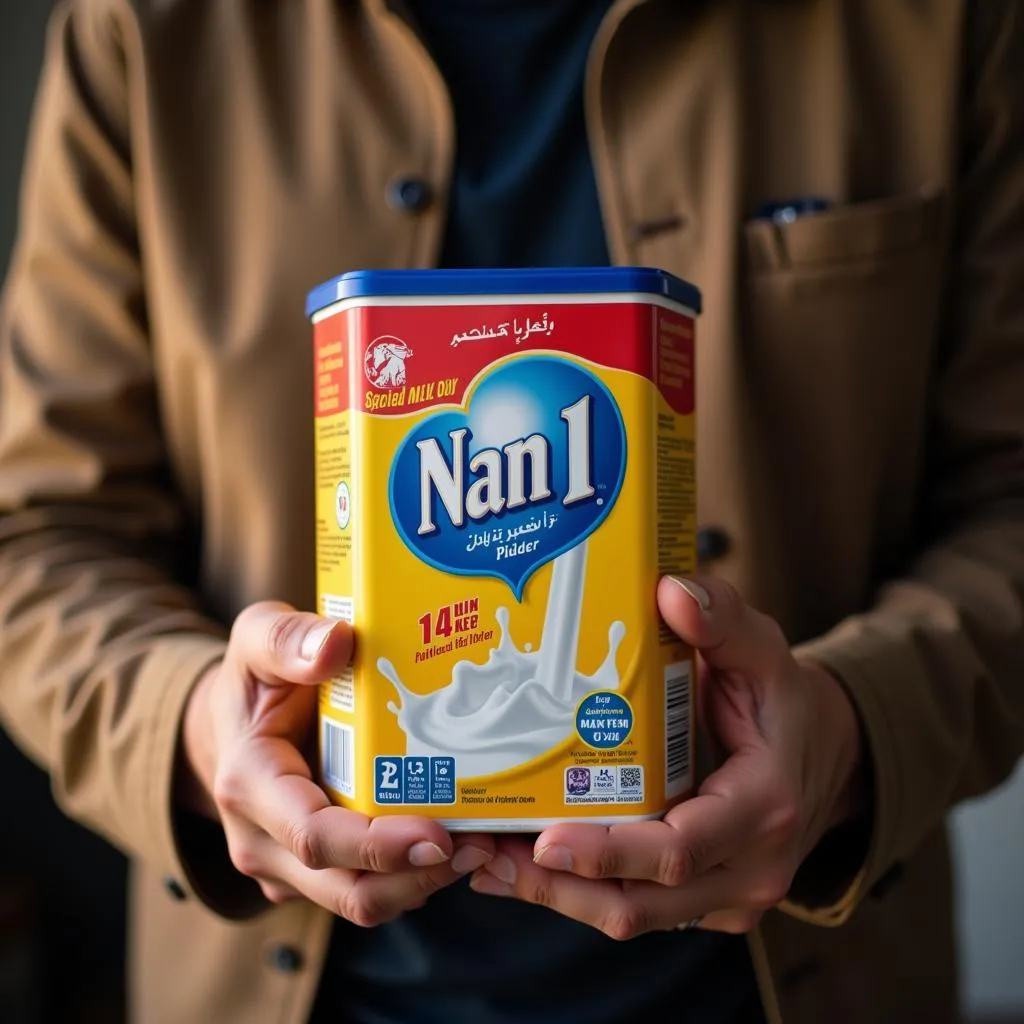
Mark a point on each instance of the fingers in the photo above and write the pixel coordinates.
(694, 837)
(620, 910)
(711, 616)
(281, 828)
(377, 898)
(283, 831)
(278, 892)
(269, 785)
(365, 899)
(276, 644)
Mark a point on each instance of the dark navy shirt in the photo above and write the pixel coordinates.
(523, 195)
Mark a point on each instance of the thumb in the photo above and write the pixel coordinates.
(282, 646)
(711, 616)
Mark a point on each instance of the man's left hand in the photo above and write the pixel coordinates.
(792, 752)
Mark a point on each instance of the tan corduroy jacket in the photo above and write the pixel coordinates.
(196, 167)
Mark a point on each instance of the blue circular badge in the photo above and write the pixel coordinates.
(527, 469)
(604, 720)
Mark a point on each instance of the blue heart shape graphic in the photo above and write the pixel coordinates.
(455, 483)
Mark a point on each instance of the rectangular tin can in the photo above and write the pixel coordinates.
(504, 469)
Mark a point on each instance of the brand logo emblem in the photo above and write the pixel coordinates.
(384, 362)
(577, 781)
(529, 468)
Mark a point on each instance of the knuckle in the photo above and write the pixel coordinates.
(369, 855)
(783, 818)
(678, 865)
(360, 909)
(283, 627)
(731, 789)
(246, 859)
(229, 790)
(542, 894)
(303, 840)
(624, 922)
(770, 890)
(607, 865)
(695, 856)
(277, 893)
(251, 616)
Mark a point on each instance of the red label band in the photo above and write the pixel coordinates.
(389, 360)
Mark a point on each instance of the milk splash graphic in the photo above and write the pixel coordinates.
(518, 704)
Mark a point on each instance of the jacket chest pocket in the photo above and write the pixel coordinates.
(840, 323)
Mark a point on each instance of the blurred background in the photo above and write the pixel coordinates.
(62, 930)
(62, 890)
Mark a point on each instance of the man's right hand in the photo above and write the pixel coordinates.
(246, 726)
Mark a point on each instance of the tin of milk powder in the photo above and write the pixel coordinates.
(504, 469)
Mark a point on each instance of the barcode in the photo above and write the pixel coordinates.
(338, 751)
(677, 727)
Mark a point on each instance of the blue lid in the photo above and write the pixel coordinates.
(533, 281)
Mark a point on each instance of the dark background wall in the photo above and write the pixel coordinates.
(61, 888)
(22, 24)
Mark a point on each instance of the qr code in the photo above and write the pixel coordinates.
(631, 778)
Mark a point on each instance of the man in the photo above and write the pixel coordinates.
(195, 168)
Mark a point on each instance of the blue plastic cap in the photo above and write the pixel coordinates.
(533, 281)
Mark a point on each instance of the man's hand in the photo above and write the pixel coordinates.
(791, 746)
(245, 728)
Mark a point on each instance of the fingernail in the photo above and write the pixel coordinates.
(314, 640)
(694, 590)
(488, 885)
(426, 855)
(469, 858)
(556, 858)
(504, 868)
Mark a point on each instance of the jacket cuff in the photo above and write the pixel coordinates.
(852, 859)
(190, 852)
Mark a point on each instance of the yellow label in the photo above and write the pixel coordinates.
(499, 488)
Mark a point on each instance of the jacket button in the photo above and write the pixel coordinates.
(712, 543)
(410, 194)
(173, 889)
(890, 878)
(286, 959)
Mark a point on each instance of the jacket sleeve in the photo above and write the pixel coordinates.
(936, 668)
(99, 645)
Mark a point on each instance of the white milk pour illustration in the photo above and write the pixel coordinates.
(518, 704)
